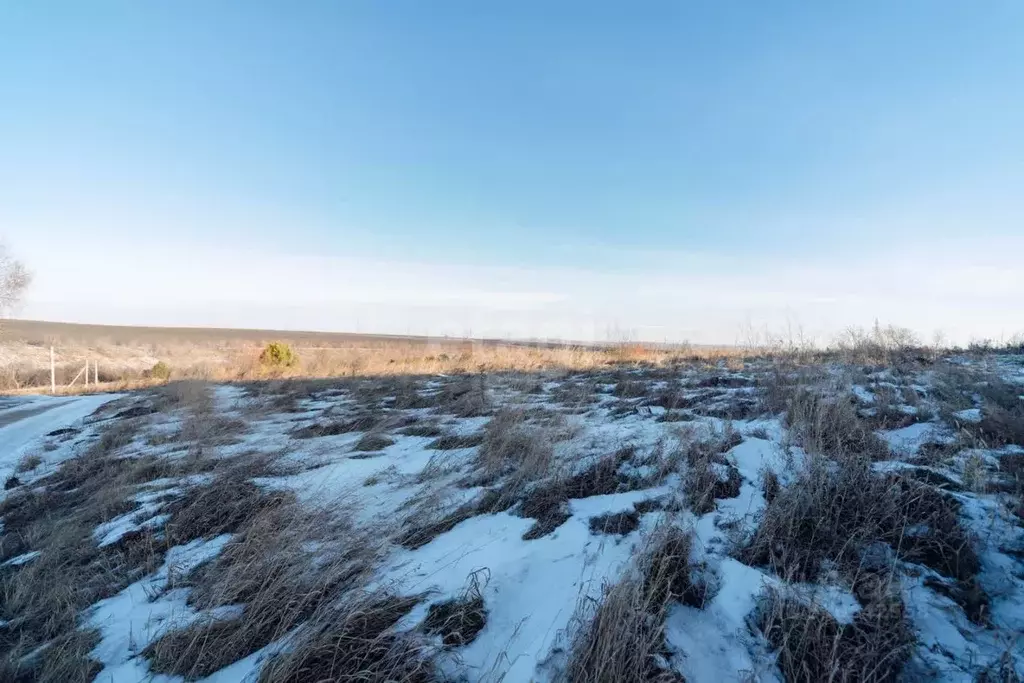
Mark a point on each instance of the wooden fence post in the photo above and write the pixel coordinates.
(53, 374)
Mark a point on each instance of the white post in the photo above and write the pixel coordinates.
(96, 371)
(86, 373)
(53, 374)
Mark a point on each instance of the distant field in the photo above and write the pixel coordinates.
(44, 332)
(126, 354)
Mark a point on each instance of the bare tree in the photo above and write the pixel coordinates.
(14, 280)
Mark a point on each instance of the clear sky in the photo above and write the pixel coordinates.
(657, 170)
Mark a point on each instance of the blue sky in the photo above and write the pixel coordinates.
(662, 170)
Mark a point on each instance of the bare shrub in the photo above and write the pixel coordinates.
(814, 647)
(14, 280)
(879, 345)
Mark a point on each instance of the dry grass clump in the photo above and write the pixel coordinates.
(770, 485)
(284, 565)
(620, 639)
(355, 642)
(670, 574)
(1002, 671)
(373, 441)
(450, 442)
(825, 425)
(709, 475)
(360, 423)
(423, 428)
(28, 463)
(202, 426)
(225, 504)
(619, 523)
(42, 599)
(813, 647)
(192, 394)
(631, 388)
(65, 659)
(511, 445)
(363, 420)
(576, 394)
(460, 620)
(420, 530)
(1000, 426)
(548, 503)
(464, 397)
(1002, 409)
(833, 512)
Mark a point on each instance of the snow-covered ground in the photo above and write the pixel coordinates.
(25, 421)
(533, 584)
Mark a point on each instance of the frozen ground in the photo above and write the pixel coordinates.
(524, 495)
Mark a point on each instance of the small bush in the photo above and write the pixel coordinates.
(278, 355)
(160, 371)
